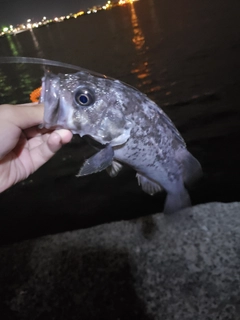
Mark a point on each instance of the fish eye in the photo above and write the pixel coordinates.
(84, 97)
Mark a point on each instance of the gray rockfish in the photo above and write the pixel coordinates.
(132, 129)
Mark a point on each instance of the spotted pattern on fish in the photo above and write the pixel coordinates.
(133, 129)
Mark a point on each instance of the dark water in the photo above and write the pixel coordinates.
(184, 55)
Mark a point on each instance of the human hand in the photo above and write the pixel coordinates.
(24, 147)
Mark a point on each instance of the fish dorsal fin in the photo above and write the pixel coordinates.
(192, 170)
(172, 127)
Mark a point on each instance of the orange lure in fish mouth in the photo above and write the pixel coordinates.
(35, 94)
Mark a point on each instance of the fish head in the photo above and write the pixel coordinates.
(86, 104)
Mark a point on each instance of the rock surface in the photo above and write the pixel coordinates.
(183, 266)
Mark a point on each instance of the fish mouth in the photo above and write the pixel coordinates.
(50, 97)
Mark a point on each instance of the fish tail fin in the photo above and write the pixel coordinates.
(192, 170)
(176, 201)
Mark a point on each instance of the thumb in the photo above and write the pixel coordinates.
(56, 139)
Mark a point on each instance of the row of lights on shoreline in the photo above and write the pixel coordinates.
(30, 25)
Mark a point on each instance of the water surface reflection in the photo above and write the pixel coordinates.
(141, 66)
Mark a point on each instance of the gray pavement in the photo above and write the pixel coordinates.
(183, 266)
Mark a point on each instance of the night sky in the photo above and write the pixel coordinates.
(18, 11)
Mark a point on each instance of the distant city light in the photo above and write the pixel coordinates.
(80, 13)
(29, 25)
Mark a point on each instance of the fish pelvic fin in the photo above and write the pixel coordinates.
(114, 168)
(97, 162)
(148, 185)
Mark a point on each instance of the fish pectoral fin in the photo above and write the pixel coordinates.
(148, 185)
(97, 162)
(114, 169)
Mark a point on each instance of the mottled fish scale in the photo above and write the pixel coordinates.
(133, 129)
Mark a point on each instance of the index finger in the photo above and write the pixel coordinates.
(22, 115)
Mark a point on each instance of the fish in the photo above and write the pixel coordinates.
(130, 128)
(127, 127)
